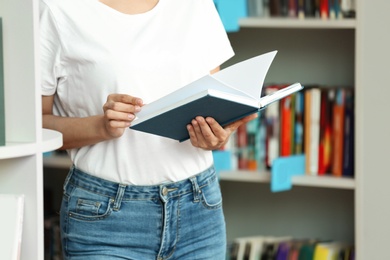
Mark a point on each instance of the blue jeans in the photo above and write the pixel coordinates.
(103, 220)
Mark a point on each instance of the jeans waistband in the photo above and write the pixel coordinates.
(130, 192)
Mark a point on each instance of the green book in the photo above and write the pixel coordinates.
(2, 112)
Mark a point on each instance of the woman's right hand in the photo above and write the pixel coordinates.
(119, 112)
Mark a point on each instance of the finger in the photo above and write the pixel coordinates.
(121, 107)
(216, 128)
(191, 133)
(119, 116)
(119, 124)
(126, 99)
(233, 126)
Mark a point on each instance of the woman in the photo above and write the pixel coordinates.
(132, 195)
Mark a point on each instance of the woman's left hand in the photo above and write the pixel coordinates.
(208, 134)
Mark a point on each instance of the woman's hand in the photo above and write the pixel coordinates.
(119, 112)
(208, 134)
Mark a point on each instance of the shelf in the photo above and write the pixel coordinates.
(64, 162)
(51, 140)
(306, 180)
(291, 23)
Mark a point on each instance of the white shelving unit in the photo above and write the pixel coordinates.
(307, 181)
(310, 51)
(21, 166)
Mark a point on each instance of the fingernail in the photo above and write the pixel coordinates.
(130, 116)
(137, 108)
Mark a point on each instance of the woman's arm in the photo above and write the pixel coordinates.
(117, 115)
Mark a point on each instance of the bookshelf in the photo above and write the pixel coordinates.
(307, 23)
(21, 164)
(349, 52)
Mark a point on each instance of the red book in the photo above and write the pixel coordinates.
(242, 142)
(324, 9)
(286, 124)
(325, 145)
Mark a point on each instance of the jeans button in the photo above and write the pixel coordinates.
(164, 191)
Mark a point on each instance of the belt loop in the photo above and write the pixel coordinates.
(70, 173)
(195, 189)
(119, 196)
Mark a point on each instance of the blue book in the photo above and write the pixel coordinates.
(227, 96)
(2, 112)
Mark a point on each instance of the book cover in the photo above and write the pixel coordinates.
(286, 126)
(272, 122)
(309, 7)
(11, 226)
(227, 96)
(241, 144)
(2, 108)
(312, 129)
(349, 135)
(328, 250)
(298, 123)
(338, 133)
(252, 129)
(325, 142)
(324, 9)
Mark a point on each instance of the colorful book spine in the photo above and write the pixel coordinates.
(338, 133)
(325, 145)
(298, 125)
(272, 114)
(349, 136)
(286, 125)
(324, 9)
(312, 129)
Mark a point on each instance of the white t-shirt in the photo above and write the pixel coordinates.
(90, 50)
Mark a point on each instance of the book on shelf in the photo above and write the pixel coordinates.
(2, 99)
(349, 135)
(321, 9)
(329, 148)
(338, 133)
(332, 250)
(255, 247)
(324, 152)
(286, 125)
(286, 247)
(312, 129)
(272, 123)
(298, 123)
(11, 225)
(228, 95)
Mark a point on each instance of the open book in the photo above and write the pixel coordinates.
(228, 95)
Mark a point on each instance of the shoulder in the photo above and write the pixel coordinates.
(62, 6)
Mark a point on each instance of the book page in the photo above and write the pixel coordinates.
(203, 84)
(248, 75)
(244, 78)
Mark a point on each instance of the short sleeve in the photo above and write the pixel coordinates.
(218, 44)
(50, 51)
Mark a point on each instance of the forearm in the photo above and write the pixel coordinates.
(77, 132)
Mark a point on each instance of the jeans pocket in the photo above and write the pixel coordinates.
(211, 195)
(88, 206)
